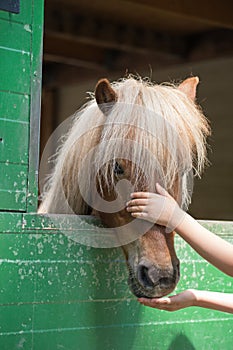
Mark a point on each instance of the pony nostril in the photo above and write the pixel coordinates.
(176, 270)
(165, 281)
(143, 277)
(149, 276)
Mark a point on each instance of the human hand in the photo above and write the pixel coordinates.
(173, 303)
(158, 208)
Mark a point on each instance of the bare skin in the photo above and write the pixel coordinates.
(164, 210)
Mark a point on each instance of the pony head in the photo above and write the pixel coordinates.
(131, 135)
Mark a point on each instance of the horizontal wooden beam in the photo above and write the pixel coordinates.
(69, 58)
(93, 53)
(91, 42)
(214, 12)
(169, 15)
(148, 14)
(65, 46)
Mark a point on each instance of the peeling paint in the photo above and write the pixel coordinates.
(27, 27)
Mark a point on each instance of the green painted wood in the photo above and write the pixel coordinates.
(14, 106)
(14, 139)
(22, 320)
(16, 341)
(148, 336)
(25, 15)
(221, 228)
(107, 313)
(77, 297)
(36, 76)
(15, 36)
(20, 85)
(15, 65)
(13, 200)
(93, 273)
(17, 284)
(10, 222)
(13, 186)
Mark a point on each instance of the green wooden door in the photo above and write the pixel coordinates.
(57, 294)
(20, 72)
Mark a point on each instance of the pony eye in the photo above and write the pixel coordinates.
(118, 170)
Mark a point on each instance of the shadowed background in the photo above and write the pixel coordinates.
(166, 41)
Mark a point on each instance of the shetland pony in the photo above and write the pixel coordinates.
(130, 135)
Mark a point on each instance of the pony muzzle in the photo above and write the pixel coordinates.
(149, 276)
(151, 281)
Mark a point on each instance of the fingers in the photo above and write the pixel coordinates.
(173, 303)
(136, 205)
(158, 303)
(140, 195)
(135, 209)
(159, 188)
(140, 215)
(162, 190)
(136, 202)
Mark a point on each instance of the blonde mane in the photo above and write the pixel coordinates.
(157, 127)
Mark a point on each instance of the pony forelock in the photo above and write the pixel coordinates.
(155, 127)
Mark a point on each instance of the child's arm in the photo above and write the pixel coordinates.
(210, 246)
(211, 300)
(163, 209)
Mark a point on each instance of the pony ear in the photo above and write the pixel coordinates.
(189, 87)
(104, 93)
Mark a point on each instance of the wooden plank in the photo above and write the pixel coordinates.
(49, 106)
(12, 200)
(14, 138)
(85, 279)
(66, 47)
(78, 50)
(68, 272)
(66, 295)
(21, 57)
(15, 36)
(35, 91)
(147, 337)
(16, 340)
(15, 318)
(39, 223)
(17, 276)
(96, 315)
(169, 16)
(17, 248)
(10, 222)
(16, 65)
(13, 186)
(202, 335)
(14, 106)
(218, 13)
